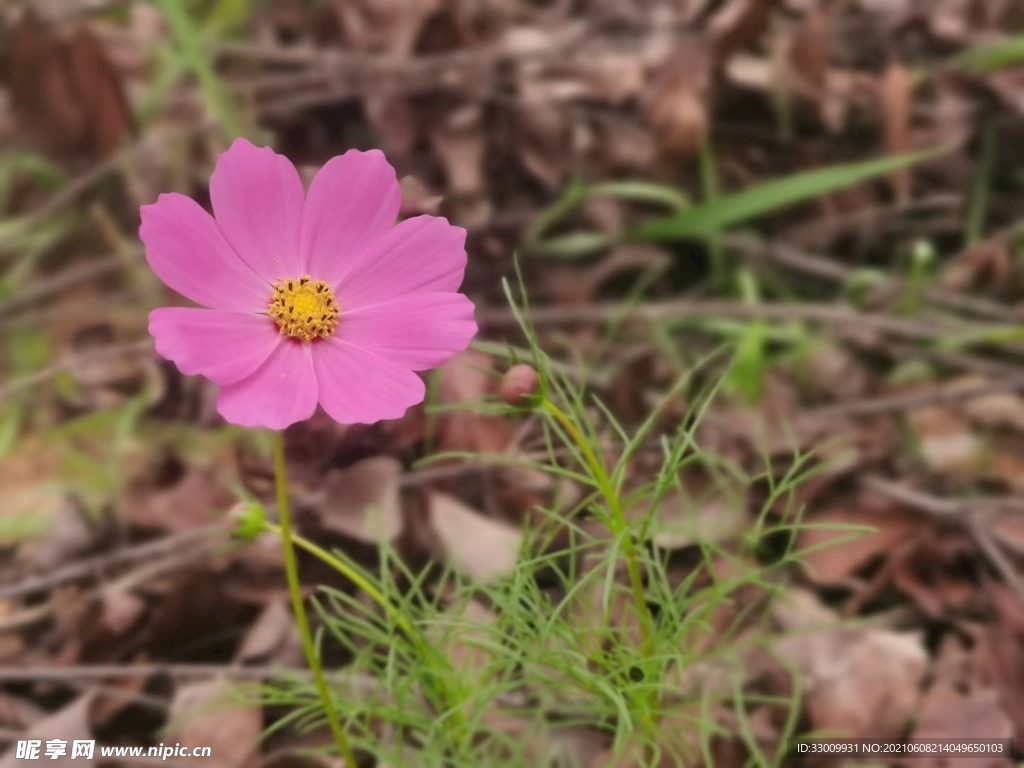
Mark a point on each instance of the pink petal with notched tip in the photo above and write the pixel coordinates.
(257, 198)
(353, 200)
(359, 387)
(187, 250)
(281, 392)
(417, 331)
(225, 347)
(424, 253)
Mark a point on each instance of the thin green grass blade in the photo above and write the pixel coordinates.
(984, 59)
(727, 210)
(188, 38)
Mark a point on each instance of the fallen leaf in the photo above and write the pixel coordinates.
(195, 499)
(677, 108)
(681, 520)
(860, 683)
(70, 723)
(478, 546)
(945, 440)
(417, 200)
(832, 553)
(65, 92)
(362, 501)
(120, 610)
(895, 92)
(949, 714)
(459, 142)
(738, 23)
(203, 714)
(273, 638)
(468, 378)
(1002, 656)
(809, 53)
(1003, 410)
(69, 536)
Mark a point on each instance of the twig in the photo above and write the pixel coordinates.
(948, 394)
(963, 514)
(69, 363)
(819, 266)
(174, 670)
(45, 288)
(97, 566)
(831, 313)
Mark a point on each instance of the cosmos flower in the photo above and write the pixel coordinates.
(309, 297)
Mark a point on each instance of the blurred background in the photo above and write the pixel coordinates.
(829, 188)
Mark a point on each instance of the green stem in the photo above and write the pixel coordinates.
(301, 619)
(416, 639)
(616, 522)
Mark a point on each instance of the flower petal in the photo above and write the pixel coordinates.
(225, 347)
(358, 387)
(188, 252)
(353, 200)
(281, 392)
(416, 331)
(424, 253)
(257, 198)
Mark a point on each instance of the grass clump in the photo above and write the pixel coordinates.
(597, 636)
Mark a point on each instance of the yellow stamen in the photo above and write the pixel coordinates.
(304, 308)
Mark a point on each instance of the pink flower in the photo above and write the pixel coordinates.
(312, 297)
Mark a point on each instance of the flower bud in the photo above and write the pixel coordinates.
(520, 381)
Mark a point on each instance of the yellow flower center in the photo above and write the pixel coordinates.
(304, 308)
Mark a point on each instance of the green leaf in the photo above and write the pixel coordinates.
(706, 220)
(574, 245)
(190, 44)
(984, 59)
(637, 191)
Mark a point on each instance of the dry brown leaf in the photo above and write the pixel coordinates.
(16, 712)
(459, 142)
(197, 498)
(69, 536)
(682, 520)
(362, 501)
(71, 723)
(467, 378)
(395, 121)
(949, 714)
(389, 26)
(989, 264)
(738, 23)
(810, 51)
(677, 108)
(65, 93)
(834, 371)
(480, 547)
(616, 77)
(946, 441)
(1002, 656)
(998, 410)
(860, 683)
(273, 637)
(896, 93)
(545, 140)
(417, 200)
(203, 714)
(836, 563)
(120, 610)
